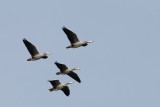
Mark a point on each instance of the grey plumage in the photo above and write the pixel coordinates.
(35, 55)
(65, 70)
(59, 86)
(75, 42)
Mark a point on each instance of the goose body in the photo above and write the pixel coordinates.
(35, 55)
(60, 86)
(64, 70)
(75, 42)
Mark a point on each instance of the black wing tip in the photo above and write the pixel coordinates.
(49, 80)
(64, 27)
(67, 95)
(79, 81)
(54, 80)
(56, 62)
(24, 39)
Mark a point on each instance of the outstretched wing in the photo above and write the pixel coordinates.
(66, 90)
(71, 35)
(74, 76)
(31, 48)
(62, 67)
(54, 82)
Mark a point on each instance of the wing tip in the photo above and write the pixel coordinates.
(63, 27)
(49, 80)
(56, 62)
(24, 39)
(67, 95)
(79, 81)
(53, 80)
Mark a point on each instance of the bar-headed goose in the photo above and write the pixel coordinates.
(60, 86)
(35, 55)
(69, 71)
(75, 42)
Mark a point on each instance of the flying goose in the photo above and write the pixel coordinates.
(75, 42)
(69, 71)
(60, 86)
(35, 55)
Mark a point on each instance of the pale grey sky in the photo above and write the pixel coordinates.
(120, 69)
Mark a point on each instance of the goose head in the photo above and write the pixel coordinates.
(47, 53)
(90, 41)
(76, 68)
(71, 82)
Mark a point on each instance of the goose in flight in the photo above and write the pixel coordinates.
(75, 42)
(35, 55)
(60, 86)
(69, 71)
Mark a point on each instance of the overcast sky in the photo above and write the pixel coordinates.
(121, 68)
